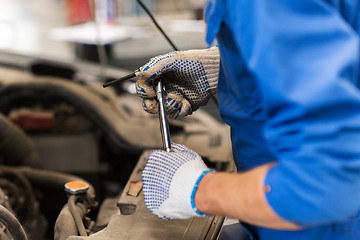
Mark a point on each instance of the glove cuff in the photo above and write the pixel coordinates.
(194, 192)
(213, 83)
(211, 62)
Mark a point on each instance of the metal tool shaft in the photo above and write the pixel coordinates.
(164, 127)
(131, 75)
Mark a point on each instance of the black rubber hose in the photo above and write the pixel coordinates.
(15, 146)
(12, 224)
(77, 217)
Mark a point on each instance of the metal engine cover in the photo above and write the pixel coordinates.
(135, 222)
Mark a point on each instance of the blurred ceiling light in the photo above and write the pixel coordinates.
(7, 34)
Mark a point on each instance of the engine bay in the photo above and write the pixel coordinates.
(57, 130)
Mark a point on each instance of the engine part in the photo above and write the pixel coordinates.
(120, 118)
(16, 146)
(101, 109)
(44, 178)
(65, 224)
(54, 179)
(72, 152)
(135, 222)
(75, 190)
(12, 224)
(117, 126)
(4, 200)
(70, 219)
(22, 201)
(76, 187)
(77, 217)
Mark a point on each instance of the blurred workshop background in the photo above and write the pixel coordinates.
(64, 29)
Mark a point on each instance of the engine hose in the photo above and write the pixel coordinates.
(15, 146)
(13, 173)
(16, 200)
(48, 178)
(65, 225)
(12, 224)
(4, 200)
(22, 199)
(77, 217)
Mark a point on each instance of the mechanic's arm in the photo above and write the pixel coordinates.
(240, 196)
(178, 184)
(304, 56)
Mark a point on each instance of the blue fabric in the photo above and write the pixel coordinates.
(194, 191)
(289, 89)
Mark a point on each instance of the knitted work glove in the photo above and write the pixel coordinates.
(190, 79)
(171, 180)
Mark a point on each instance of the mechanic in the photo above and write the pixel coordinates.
(286, 76)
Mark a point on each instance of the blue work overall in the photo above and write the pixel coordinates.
(289, 89)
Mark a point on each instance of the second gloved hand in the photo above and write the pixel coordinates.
(190, 79)
(170, 182)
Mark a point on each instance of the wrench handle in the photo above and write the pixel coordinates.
(164, 126)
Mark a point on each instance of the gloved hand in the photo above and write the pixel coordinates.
(170, 181)
(190, 79)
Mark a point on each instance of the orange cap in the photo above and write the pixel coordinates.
(76, 187)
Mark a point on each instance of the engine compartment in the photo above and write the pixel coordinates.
(60, 130)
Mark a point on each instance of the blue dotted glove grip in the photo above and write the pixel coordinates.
(170, 182)
(189, 77)
(183, 74)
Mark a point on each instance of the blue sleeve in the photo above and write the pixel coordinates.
(304, 57)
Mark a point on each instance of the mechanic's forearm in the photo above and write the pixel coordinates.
(241, 196)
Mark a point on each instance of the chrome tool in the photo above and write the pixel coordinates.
(164, 126)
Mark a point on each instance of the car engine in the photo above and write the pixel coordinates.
(71, 157)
